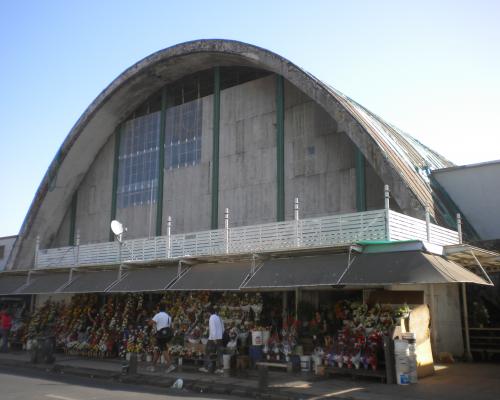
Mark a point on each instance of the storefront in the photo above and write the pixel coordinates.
(322, 309)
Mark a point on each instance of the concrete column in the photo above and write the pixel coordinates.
(459, 228)
(226, 229)
(169, 236)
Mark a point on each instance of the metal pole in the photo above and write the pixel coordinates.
(296, 218)
(428, 223)
(226, 228)
(468, 354)
(459, 228)
(37, 248)
(297, 299)
(387, 210)
(120, 271)
(169, 236)
(77, 258)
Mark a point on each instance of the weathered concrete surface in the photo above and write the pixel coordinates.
(453, 381)
(131, 88)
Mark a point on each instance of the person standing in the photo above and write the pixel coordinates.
(5, 325)
(214, 345)
(163, 324)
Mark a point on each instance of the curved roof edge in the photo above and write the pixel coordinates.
(401, 161)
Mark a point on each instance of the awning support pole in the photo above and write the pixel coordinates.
(297, 299)
(468, 354)
(481, 268)
(226, 229)
(387, 209)
(428, 223)
(120, 272)
(169, 236)
(179, 269)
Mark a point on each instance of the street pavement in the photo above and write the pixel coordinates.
(40, 385)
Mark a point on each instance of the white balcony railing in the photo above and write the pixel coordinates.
(329, 231)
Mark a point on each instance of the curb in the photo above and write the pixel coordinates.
(191, 385)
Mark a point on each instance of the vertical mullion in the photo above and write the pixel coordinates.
(360, 181)
(215, 150)
(280, 148)
(161, 163)
(115, 179)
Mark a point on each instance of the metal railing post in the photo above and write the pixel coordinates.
(387, 194)
(77, 257)
(296, 218)
(169, 236)
(37, 248)
(459, 228)
(428, 223)
(226, 228)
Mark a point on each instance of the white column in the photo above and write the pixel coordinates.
(296, 218)
(387, 215)
(169, 236)
(226, 228)
(77, 242)
(459, 228)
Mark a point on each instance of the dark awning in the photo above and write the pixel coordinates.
(146, 279)
(406, 267)
(299, 272)
(91, 281)
(45, 282)
(10, 283)
(214, 276)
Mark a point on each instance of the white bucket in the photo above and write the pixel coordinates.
(265, 336)
(316, 361)
(226, 361)
(401, 347)
(257, 338)
(305, 363)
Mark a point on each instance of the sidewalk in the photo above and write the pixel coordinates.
(455, 381)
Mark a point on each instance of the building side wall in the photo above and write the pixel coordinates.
(187, 191)
(247, 158)
(476, 192)
(8, 242)
(94, 197)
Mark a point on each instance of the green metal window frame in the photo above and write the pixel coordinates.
(215, 150)
(115, 179)
(280, 148)
(161, 163)
(360, 181)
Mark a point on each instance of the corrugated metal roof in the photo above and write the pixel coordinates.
(412, 159)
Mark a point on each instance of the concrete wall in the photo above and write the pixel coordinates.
(319, 169)
(62, 236)
(8, 243)
(475, 189)
(187, 191)
(247, 166)
(446, 316)
(93, 208)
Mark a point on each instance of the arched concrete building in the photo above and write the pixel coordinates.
(210, 124)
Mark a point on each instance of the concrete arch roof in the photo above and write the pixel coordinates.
(401, 161)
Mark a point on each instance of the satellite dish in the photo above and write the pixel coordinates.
(117, 227)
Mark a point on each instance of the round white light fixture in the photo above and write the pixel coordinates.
(117, 227)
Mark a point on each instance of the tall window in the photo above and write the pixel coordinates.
(183, 135)
(138, 161)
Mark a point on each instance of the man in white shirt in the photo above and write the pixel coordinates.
(214, 345)
(163, 324)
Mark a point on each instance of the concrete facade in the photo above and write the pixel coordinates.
(187, 191)
(73, 161)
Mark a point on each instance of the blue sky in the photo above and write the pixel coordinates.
(429, 67)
